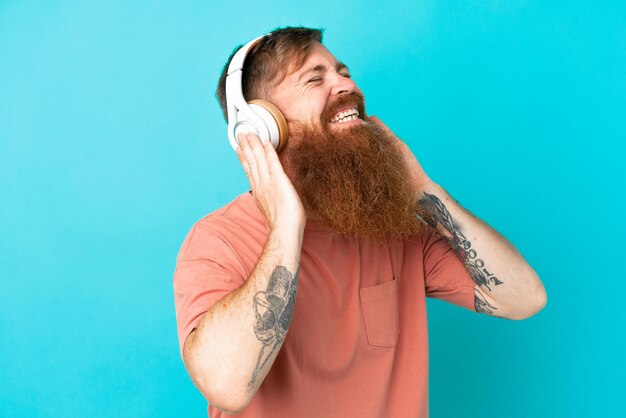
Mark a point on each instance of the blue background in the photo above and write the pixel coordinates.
(112, 145)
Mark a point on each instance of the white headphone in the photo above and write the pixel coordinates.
(257, 116)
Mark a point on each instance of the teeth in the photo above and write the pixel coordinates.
(347, 119)
(345, 116)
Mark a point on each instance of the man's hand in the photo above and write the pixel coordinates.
(233, 347)
(275, 195)
(418, 177)
(506, 285)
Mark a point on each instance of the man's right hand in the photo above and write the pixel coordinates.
(230, 352)
(275, 195)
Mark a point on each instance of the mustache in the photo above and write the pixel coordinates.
(352, 99)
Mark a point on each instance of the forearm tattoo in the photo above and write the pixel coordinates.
(436, 215)
(480, 303)
(273, 309)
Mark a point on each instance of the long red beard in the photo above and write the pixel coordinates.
(352, 180)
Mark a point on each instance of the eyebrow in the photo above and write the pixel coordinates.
(338, 67)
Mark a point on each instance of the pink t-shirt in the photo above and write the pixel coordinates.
(357, 345)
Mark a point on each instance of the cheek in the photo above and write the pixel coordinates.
(297, 111)
(309, 115)
(307, 109)
(316, 104)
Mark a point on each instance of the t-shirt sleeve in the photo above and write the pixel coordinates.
(445, 276)
(206, 271)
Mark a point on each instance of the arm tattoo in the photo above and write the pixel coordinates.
(273, 309)
(436, 214)
(480, 303)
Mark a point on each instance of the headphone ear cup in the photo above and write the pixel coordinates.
(277, 119)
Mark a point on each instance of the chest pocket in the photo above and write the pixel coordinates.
(380, 311)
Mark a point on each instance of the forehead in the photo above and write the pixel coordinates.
(318, 55)
(319, 58)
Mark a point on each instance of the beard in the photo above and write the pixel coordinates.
(352, 178)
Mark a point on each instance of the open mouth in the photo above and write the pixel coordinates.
(345, 116)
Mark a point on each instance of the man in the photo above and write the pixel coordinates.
(306, 297)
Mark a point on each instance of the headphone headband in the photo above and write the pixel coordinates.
(258, 116)
(237, 62)
(234, 94)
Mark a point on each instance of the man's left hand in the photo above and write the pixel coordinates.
(417, 176)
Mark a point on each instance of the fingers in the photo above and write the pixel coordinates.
(271, 157)
(275, 195)
(248, 161)
(259, 156)
(242, 158)
(252, 156)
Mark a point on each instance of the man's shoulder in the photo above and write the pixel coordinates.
(230, 210)
(233, 227)
(238, 217)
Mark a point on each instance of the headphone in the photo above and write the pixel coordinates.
(256, 116)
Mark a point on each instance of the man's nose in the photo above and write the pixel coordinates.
(342, 84)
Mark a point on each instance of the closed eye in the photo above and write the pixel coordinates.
(315, 79)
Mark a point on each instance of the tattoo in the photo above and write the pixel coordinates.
(480, 303)
(273, 309)
(436, 214)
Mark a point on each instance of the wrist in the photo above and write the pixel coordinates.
(288, 231)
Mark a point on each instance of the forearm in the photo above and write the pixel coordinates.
(237, 340)
(511, 286)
